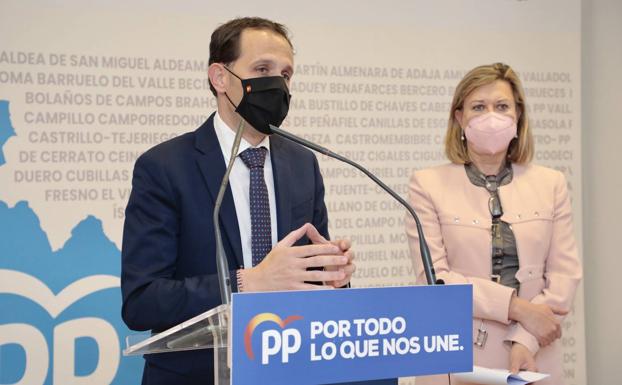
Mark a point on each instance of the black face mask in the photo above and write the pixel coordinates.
(265, 101)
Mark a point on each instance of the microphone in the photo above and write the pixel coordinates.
(428, 267)
(222, 265)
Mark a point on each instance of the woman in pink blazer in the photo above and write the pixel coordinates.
(502, 224)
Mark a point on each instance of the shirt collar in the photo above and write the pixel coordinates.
(226, 136)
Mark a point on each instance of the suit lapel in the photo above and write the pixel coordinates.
(282, 181)
(212, 166)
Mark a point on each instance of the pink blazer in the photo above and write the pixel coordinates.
(456, 222)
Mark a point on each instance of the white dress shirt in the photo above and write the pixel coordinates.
(239, 181)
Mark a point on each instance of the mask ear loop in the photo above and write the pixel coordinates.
(232, 73)
(229, 99)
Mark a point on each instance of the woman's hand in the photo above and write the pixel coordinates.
(539, 319)
(521, 359)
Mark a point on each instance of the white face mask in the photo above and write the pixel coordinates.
(490, 133)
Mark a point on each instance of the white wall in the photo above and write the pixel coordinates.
(602, 182)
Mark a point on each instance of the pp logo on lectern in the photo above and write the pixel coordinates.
(273, 341)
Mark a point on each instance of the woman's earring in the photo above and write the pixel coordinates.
(462, 136)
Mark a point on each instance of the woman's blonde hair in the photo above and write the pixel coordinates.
(521, 149)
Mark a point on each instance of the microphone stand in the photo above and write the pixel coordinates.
(428, 267)
(222, 265)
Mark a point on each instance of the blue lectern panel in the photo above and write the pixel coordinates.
(332, 336)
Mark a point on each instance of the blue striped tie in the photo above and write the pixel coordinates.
(261, 229)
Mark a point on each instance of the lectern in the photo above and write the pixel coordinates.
(208, 330)
(328, 336)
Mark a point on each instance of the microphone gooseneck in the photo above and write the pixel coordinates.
(428, 267)
(222, 265)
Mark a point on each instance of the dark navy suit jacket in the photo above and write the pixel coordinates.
(168, 257)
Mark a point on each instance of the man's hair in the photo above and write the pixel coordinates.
(521, 149)
(224, 46)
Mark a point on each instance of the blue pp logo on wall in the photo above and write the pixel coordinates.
(351, 335)
(60, 319)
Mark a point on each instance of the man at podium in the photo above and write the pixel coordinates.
(273, 217)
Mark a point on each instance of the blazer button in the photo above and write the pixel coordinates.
(519, 216)
(456, 219)
(535, 213)
(475, 221)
